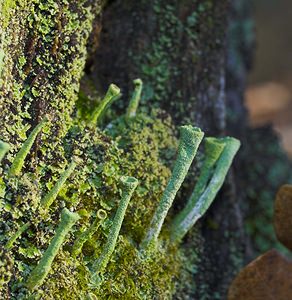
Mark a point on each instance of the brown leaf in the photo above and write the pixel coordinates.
(283, 215)
(269, 277)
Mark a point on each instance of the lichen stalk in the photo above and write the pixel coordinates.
(38, 275)
(129, 184)
(198, 210)
(213, 150)
(47, 201)
(4, 148)
(190, 139)
(87, 234)
(17, 234)
(134, 102)
(112, 94)
(19, 160)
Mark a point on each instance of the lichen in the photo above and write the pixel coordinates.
(44, 50)
(40, 79)
(176, 47)
(92, 186)
(110, 262)
(190, 140)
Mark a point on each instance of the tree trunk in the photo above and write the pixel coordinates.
(179, 49)
(193, 57)
(43, 52)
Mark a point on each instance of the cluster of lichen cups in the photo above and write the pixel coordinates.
(219, 154)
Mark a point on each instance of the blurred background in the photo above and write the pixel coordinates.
(269, 94)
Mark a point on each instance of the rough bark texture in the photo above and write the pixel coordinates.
(184, 53)
(179, 48)
(43, 52)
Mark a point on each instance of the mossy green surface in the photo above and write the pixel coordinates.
(40, 77)
(149, 146)
(43, 52)
(101, 160)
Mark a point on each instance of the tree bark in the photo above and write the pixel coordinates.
(43, 47)
(193, 57)
(179, 49)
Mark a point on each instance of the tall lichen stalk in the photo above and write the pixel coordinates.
(97, 269)
(59, 162)
(179, 48)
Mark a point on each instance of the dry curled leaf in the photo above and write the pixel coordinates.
(269, 277)
(283, 215)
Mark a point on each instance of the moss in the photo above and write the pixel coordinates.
(41, 78)
(149, 162)
(139, 279)
(101, 160)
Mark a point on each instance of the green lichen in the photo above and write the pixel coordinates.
(98, 259)
(199, 207)
(134, 102)
(2, 54)
(189, 144)
(40, 260)
(129, 184)
(4, 148)
(6, 7)
(6, 270)
(47, 201)
(92, 186)
(112, 94)
(19, 159)
(38, 275)
(42, 75)
(88, 233)
(150, 163)
(155, 65)
(162, 60)
(17, 234)
(213, 150)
